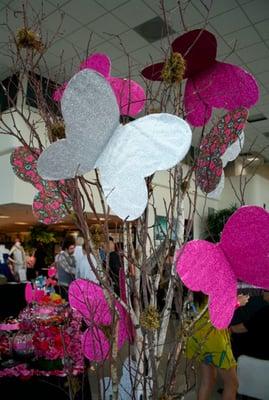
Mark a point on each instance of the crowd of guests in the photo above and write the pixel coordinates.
(216, 350)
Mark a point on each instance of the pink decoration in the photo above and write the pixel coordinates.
(89, 300)
(130, 95)
(210, 83)
(49, 203)
(241, 254)
(98, 62)
(58, 93)
(224, 133)
(221, 86)
(28, 292)
(33, 294)
(52, 272)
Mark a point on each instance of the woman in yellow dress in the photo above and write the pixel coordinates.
(211, 347)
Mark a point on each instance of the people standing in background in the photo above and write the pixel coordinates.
(18, 260)
(66, 265)
(114, 265)
(40, 256)
(30, 265)
(83, 267)
(211, 347)
(4, 266)
(250, 334)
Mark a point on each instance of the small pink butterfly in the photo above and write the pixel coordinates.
(210, 83)
(49, 202)
(129, 94)
(89, 300)
(242, 254)
(222, 144)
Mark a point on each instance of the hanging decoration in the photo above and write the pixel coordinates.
(241, 254)
(210, 83)
(89, 300)
(223, 144)
(129, 94)
(124, 154)
(50, 204)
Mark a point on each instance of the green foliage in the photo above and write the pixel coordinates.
(40, 234)
(216, 222)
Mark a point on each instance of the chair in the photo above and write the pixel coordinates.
(253, 376)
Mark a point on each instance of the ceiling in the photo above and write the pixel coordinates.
(241, 28)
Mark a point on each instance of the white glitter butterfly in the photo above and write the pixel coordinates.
(124, 154)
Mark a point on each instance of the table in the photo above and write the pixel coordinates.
(12, 299)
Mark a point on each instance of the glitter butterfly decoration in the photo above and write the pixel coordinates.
(89, 300)
(51, 202)
(222, 144)
(242, 254)
(210, 83)
(124, 154)
(129, 94)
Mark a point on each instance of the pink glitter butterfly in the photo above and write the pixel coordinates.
(130, 95)
(49, 202)
(89, 300)
(210, 83)
(226, 132)
(242, 254)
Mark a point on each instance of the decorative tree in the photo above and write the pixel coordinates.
(37, 121)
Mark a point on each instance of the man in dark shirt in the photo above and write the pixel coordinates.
(114, 265)
(251, 337)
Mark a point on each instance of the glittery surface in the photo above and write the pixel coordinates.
(99, 62)
(223, 143)
(231, 153)
(152, 143)
(202, 267)
(245, 242)
(243, 253)
(221, 86)
(198, 47)
(48, 204)
(91, 115)
(89, 300)
(129, 94)
(134, 151)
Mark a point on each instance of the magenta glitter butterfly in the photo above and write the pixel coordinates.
(210, 83)
(89, 300)
(209, 164)
(49, 203)
(130, 95)
(242, 254)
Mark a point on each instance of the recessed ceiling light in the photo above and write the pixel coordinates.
(21, 223)
(4, 216)
(154, 29)
(256, 118)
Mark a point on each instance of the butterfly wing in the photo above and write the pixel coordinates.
(221, 85)
(199, 49)
(95, 344)
(130, 95)
(223, 144)
(245, 242)
(91, 115)
(153, 72)
(88, 299)
(202, 266)
(23, 161)
(49, 207)
(135, 151)
(99, 62)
